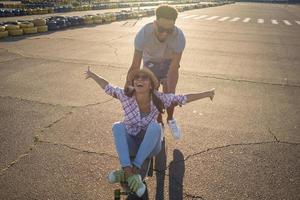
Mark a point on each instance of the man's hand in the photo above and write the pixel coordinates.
(136, 63)
(127, 84)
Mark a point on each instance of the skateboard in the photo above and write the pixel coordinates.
(124, 192)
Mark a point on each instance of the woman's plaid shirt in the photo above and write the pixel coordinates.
(132, 119)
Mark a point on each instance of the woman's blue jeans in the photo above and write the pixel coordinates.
(143, 145)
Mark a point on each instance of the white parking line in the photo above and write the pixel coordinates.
(223, 19)
(182, 15)
(260, 21)
(190, 16)
(200, 17)
(274, 21)
(246, 19)
(211, 18)
(287, 22)
(235, 19)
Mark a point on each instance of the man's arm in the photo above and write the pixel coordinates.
(136, 63)
(173, 73)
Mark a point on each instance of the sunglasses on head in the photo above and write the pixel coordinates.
(143, 77)
(162, 29)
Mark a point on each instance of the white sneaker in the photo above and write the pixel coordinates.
(175, 130)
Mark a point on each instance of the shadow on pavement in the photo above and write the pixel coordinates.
(176, 174)
(160, 168)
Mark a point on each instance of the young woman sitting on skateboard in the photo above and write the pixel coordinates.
(139, 134)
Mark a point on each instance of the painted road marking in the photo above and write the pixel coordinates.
(201, 17)
(211, 18)
(190, 16)
(235, 19)
(260, 21)
(287, 22)
(246, 19)
(182, 15)
(274, 21)
(223, 19)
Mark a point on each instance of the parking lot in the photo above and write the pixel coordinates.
(56, 140)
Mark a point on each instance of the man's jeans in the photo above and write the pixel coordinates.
(143, 145)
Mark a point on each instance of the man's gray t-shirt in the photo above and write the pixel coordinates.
(153, 49)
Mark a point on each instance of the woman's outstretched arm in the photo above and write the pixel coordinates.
(200, 95)
(101, 81)
(181, 99)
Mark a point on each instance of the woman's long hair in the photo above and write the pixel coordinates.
(154, 98)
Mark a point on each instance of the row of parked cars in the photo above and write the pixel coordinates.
(61, 22)
(31, 9)
(21, 27)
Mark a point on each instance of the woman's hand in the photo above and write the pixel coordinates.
(88, 73)
(212, 94)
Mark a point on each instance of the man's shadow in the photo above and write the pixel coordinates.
(160, 171)
(176, 174)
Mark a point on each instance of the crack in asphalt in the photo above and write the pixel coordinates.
(287, 84)
(37, 141)
(179, 186)
(121, 36)
(58, 120)
(78, 149)
(50, 104)
(186, 194)
(14, 162)
(273, 135)
(231, 145)
(13, 59)
(20, 156)
(173, 163)
(32, 101)
(95, 104)
(131, 23)
(193, 197)
(71, 61)
(114, 48)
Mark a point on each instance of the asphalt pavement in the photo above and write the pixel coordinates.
(56, 140)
